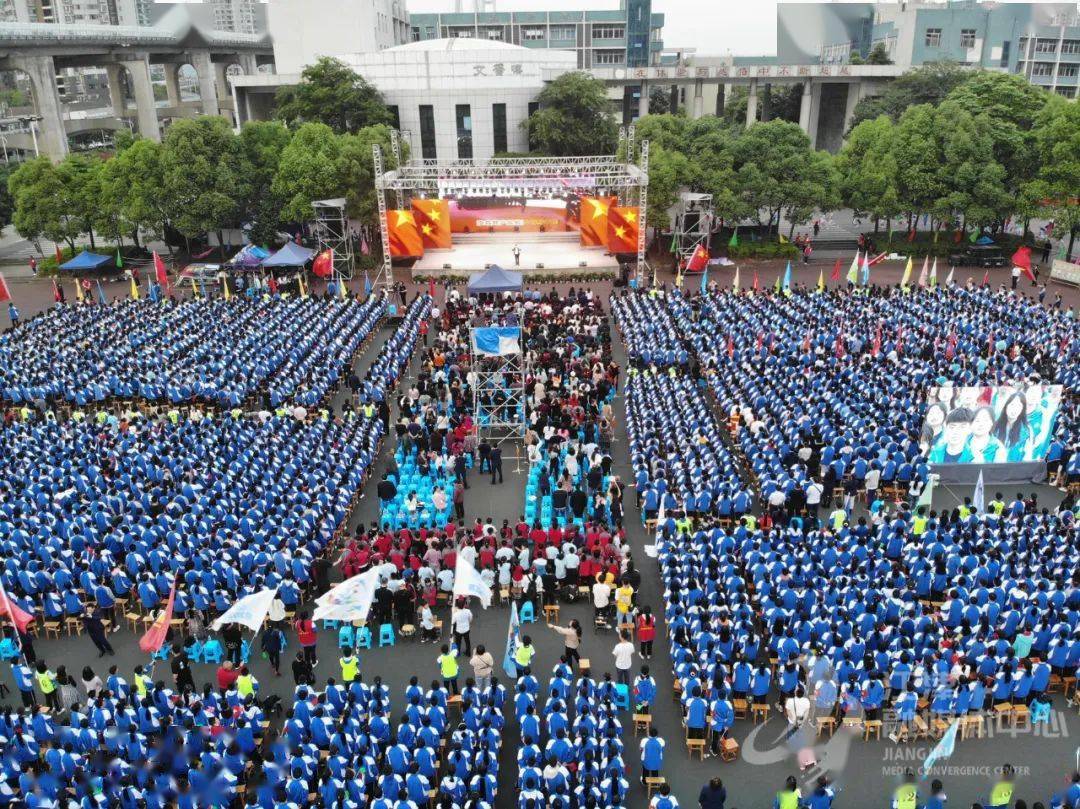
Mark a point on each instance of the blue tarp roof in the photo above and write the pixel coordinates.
(250, 256)
(291, 255)
(496, 279)
(86, 261)
(984, 240)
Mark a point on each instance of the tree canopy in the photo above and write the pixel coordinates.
(926, 84)
(574, 118)
(332, 93)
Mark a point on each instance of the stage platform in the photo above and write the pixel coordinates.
(557, 252)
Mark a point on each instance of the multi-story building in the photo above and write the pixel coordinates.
(304, 30)
(1040, 41)
(71, 12)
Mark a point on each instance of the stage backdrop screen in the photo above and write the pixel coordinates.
(480, 215)
(983, 425)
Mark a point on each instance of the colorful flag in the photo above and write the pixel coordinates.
(365, 248)
(835, 274)
(866, 269)
(350, 600)
(433, 218)
(853, 270)
(730, 346)
(776, 286)
(403, 235)
(975, 234)
(678, 279)
(925, 269)
(1022, 259)
(735, 283)
(978, 499)
(734, 240)
(622, 229)
(986, 277)
(343, 288)
(699, 260)
(101, 292)
(59, 255)
(5, 290)
(78, 291)
(755, 289)
(431, 288)
(594, 221)
(877, 341)
(367, 284)
(821, 281)
(119, 260)
(469, 584)
(249, 611)
(55, 291)
(927, 496)
(225, 289)
(783, 239)
(323, 265)
(907, 274)
(134, 288)
(160, 273)
(19, 617)
(154, 638)
(787, 278)
(949, 278)
(509, 666)
(933, 274)
(943, 749)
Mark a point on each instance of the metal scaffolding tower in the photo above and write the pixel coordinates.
(499, 389)
(385, 274)
(694, 219)
(331, 228)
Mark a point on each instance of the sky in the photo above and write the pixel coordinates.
(712, 27)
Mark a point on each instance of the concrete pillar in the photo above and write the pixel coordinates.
(699, 101)
(116, 90)
(854, 95)
(172, 85)
(721, 92)
(643, 102)
(200, 60)
(145, 107)
(673, 94)
(224, 92)
(249, 62)
(815, 112)
(766, 104)
(804, 109)
(751, 104)
(52, 137)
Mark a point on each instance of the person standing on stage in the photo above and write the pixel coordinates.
(517, 256)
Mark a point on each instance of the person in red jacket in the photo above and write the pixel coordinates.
(646, 631)
(307, 635)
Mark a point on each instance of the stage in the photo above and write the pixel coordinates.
(557, 252)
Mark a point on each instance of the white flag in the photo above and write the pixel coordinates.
(949, 278)
(467, 582)
(979, 498)
(943, 749)
(927, 496)
(249, 611)
(350, 600)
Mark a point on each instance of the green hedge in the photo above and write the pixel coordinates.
(762, 250)
(924, 244)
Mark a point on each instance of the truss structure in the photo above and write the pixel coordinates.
(331, 227)
(499, 391)
(694, 219)
(385, 275)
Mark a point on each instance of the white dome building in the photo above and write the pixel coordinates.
(460, 98)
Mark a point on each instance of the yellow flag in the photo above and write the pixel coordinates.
(736, 282)
(343, 289)
(678, 280)
(134, 288)
(303, 288)
(783, 239)
(225, 288)
(821, 281)
(907, 275)
(78, 291)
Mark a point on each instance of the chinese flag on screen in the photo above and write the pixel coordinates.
(404, 235)
(622, 229)
(594, 221)
(433, 221)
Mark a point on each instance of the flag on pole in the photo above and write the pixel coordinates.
(783, 239)
(755, 281)
(776, 286)
(343, 288)
(866, 269)
(705, 281)
(509, 666)
(975, 234)
(986, 277)
(949, 278)
(78, 291)
(835, 274)
(5, 290)
(925, 270)
(154, 638)
(467, 582)
(1022, 259)
(907, 274)
(787, 278)
(101, 293)
(350, 600)
(678, 279)
(19, 617)
(303, 286)
(821, 281)
(367, 285)
(134, 288)
(933, 274)
(119, 260)
(225, 289)
(59, 255)
(978, 499)
(159, 272)
(249, 611)
(877, 341)
(734, 240)
(853, 270)
(735, 284)
(155, 289)
(943, 749)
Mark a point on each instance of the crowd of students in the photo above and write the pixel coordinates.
(243, 351)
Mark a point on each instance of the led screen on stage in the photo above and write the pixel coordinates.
(982, 425)
(481, 215)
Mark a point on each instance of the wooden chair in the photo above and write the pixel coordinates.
(922, 730)
(52, 629)
(972, 725)
(872, 727)
(73, 625)
(741, 708)
(826, 723)
(1003, 713)
(695, 746)
(729, 750)
(1068, 685)
(1021, 717)
(551, 613)
(584, 667)
(653, 783)
(760, 709)
(939, 726)
(642, 723)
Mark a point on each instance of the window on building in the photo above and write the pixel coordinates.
(498, 123)
(1070, 46)
(1046, 46)
(493, 33)
(464, 132)
(427, 132)
(933, 37)
(611, 57)
(394, 115)
(1068, 92)
(532, 34)
(1005, 47)
(967, 37)
(1068, 70)
(416, 34)
(608, 31)
(564, 33)
(1042, 69)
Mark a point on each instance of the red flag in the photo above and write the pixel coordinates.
(272, 283)
(772, 339)
(877, 340)
(323, 266)
(755, 281)
(698, 260)
(990, 344)
(56, 292)
(159, 272)
(880, 257)
(899, 340)
(5, 293)
(154, 638)
(838, 347)
(431, 288)
(950, 346)
(986, 278)
(1022, 259)
(1063, 346)
(835, 275)
(59, 255)
(19, 617)
(760, 340)
(730, 347)
(958, 235)
(911, 235)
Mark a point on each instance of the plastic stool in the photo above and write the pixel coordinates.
(527, 613)
(363, 638)
(386, 635)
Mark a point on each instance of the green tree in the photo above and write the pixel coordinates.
(878, 55)
(917, 152)
(972, 180)
(866, 169)
(40, 208)
(659, 101)
(358, 172)
(133, 184)
(80, 178)
(574, 118)
(711, 146)
(309, 169)
(665, 130)
(201, 175)
(926, 84)
(332, 93)
(1055, 190)
(668, 170)
(7, 204)
(778, 172)
(261, 146)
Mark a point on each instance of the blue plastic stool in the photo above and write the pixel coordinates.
(527, 614)
(622, 697)
(329, 623)
(386, 635)
(346, 637)
(213, 652)
(363, 638)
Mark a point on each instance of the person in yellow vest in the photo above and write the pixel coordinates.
(788, 797)
(246, 684)
(448, 668)
(369, 410)
(838, 518)
(906, 796)
(142, 683)
(1001, 794)
(918, 522)
(46, 683)
(997, 505)
(350, 667)
(174, 416)
(624, 600)
(965, 508)
(750, 521)
(523, 654)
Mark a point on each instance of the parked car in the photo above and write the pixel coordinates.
(979, 255)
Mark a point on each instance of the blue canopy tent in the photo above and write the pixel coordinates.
(496, 279)
(250, 256)
(291, 255)
(85, 262)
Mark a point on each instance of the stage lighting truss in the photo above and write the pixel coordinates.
(694, 219)
(331, 228)
(499, 407)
